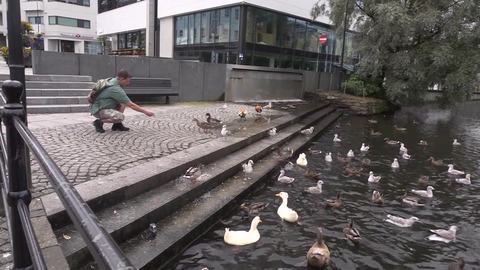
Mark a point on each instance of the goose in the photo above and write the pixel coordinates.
(351, 233)
(442, 235)
(373, 179)
(272, 132)
(425, 193)
(375, 133)
(388, 141)
(334, 203)
(377, 197)
(242, 238)
(317, 189)
(395, 164)
(336, 138)
(422, 142)
(451, 170)
(437, 162)
(465, 181)
(284, 212)
(318, 255)
(405, 155)
(307, 131)
(350, 153)
(403, 148)
(254, 208)
(455, 142)
(302, 160)
(312, 175)
(247, 168)
(399, 128)
(284, 179)
(328, 157)
(401, 222)
(364, 148)
(225, 132)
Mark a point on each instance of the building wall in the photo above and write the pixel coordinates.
(166, 37)
(123, 19)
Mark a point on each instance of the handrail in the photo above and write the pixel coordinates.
(33, 246)
(97, 239)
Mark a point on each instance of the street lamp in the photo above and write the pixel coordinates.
(343, 45)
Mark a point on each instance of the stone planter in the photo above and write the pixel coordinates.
(26, 61)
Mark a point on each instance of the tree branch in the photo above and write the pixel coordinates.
(370, 15)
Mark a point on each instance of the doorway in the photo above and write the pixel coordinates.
(67, 46)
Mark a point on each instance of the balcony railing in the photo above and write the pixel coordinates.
(17, 197)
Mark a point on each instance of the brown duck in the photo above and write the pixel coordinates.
(318, 255)
(423, 179)
(373, 133)
(377, 197)
(342, 159)
(254, 208)
(335, 203)
(203, 125)
(351, 233)
(437, 162)
(312, 175)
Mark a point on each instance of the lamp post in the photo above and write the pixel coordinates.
(343, 45)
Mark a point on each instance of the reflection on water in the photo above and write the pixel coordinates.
(384, 246)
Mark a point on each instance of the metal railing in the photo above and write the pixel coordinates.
(26, 251)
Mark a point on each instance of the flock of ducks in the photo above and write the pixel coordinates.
(318, 255)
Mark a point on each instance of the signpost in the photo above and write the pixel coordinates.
(322, 40)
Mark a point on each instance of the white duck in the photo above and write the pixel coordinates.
(395, 164)
(285, 179)
(405, 155)
(242, 238)
(403, 148)
(307, 131)
(225, 132)
(268, 106)
(247, 168)
(451, 170)
(283, 211)
(373, 179)
(424, 193)
(444, 235)
(336, 138)
(328, 157)
(302, 160)
(350, 153)
(465, 181)
(272, 132)
(401, 222)
(317, 189)
(364, 148)
(455, 142)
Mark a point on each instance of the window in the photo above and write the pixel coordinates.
(92, 47)
(85, 3)
(132, 40)
(191, 28)
(250, 22)
(265, 27)
(288, 27)
(299, 35)
(106, 5)
(197, 30)
(235, 25)
(142, 39)
(205, 31)
(35, 20)
(181, 30)
(57, 20)
(224, 27)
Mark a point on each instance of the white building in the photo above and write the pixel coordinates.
(274, 33)
(66, 25)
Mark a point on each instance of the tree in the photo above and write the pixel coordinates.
(410, 45)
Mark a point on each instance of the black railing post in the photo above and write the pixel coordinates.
(17, 172)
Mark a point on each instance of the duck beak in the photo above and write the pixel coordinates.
(260, 220)
(278, 194)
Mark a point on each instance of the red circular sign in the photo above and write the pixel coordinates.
(78, 35)
(323, 39)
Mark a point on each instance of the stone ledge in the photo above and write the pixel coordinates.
(359, 105)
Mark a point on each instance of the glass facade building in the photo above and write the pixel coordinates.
(253, 36)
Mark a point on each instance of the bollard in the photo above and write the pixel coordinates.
(17, 172)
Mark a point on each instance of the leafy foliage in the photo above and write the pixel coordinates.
(410, 45)
(27, 42)
(359, 86)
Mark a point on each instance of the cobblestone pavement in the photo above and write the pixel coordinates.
(83, 154)
(5, 249)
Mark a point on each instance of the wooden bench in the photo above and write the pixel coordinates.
(150, 87)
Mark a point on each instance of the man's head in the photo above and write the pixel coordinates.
(124, 77)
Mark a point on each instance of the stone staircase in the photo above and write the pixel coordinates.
(55, 93)
(154, 192)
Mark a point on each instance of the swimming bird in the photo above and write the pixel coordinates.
(451, 170)
(284, 179)
(395, 164)
(364, 148)
(375, 133)
(241, 238)
(225, 132)
(351, 233)
(377, 197)
(307, 131)
(254, 208)
(413, 201)
(318, 255)
(403, 148)
(247, 168)
(285, 153)
(422, 142)
(388, 141)
(328, 157)
(459, 265)
(284, 212)
(424, 193)
(336, 138)
(288, 166)
(302, 160)
(317, 189)
(373, 179)
(401, 222)
(423, 179)
(399, 128)
(465, 181)
(312, 175)
(151, 233)
(350, 153)
(334, 203)
(272, 132)
(342, 159)
(455, 142)
(372, 121)
(442, 235)
(314, 152)
(405, 155)
(437, 162)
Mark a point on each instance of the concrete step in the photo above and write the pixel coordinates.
(178, 230)
(51, 78)
(56, 100)
(44, 109)
(57, 92)
(130, 217)
(57, 85)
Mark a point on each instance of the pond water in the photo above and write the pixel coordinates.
(383, 245)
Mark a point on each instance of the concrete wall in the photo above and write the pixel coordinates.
(123, 19)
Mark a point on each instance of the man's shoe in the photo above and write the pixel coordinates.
(98, 126)
(119, 127)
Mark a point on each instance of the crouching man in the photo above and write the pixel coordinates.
(108, 101)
